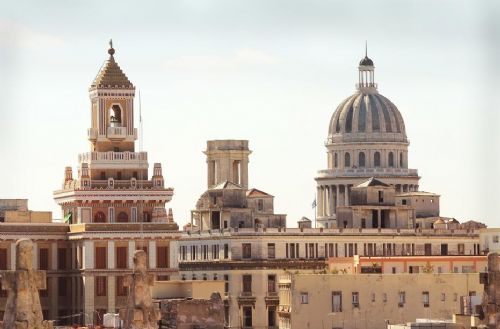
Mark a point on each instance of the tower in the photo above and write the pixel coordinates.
(227, 160)
(112, 183)
(366, 138)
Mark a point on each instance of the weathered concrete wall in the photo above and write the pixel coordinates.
(192, 313)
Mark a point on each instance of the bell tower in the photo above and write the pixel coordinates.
(112, 109)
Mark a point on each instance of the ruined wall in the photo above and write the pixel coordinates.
(192, 314)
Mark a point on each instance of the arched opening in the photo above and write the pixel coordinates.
(335, 160)
(391, 159)
(122, 217)
(401, 160)
(146, 216)
(347, 160)
(361, 159)
(115, 116)
(376, 159)
(99, 217)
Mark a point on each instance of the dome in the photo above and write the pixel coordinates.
(366, 61)
(366, 114)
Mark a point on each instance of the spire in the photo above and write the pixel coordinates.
(366, 73)
(366, 48)
(110, 75)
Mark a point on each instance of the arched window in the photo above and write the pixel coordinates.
(361, 159)
(99, 217)
(115, 116)
(376, 159)
(391, 159)
(401, 160)
(347, 160)
(122, 217)
(335, 160)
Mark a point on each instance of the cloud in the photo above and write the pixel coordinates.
(239, 58)
(14, 35)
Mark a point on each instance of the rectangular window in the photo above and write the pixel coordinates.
(61, 259)
(226, 284)
(193, 252)
(183, 252)
(162, 257)
(260, 204)
(271, 316)
(495, 238)
(247, 284)
(271, 283)
(337, 301)
(402, 299)
(373, 297)
(121, 257)
(292, 250)
(247, 316)
(215, 251)
(355, 299)
(304, 298)
(443, 297)
(101, 257)
(121, 289)
(3, 258)
(43, 259)
(444, 249)
(428, 249)
(461, 249)
(384, 297)
(62, 286)
(101, 286)
(425, 298)
(393, 270)
(381, 196)
(247, 250)
(271, 250)
(226, 251)
(204, 251)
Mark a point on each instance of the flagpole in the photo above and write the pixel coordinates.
(315, 205)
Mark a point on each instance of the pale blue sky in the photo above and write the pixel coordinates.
(272, 72)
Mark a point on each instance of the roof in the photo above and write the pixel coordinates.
(304, 219)
(226, 185)
(257, 193)
(373, 182)
(111, 75)
(418, 193)
(366, 61)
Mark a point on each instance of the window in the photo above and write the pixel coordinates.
(425, 298)
(247, 284)
(337, 301)
(193, 252)
(271, 316)
(443, 297)
(247, 316)
(444, 249)
(226, 251)
(355, 299)
(376, 159)
(215, 251)
(204, 251)
(271, 250)
(61, 259)
(347, 160)
(101, 286)
(260, 204)
(461, 249)
(495, 238)
(381, 196)
(401, 160)
(428, 249)
(43, 259)
(61, 287)
(384, 297)
(402, 299)
(304, 298)
(119, 175)
(103, 175)
(100, 257)
(121, 289)
(162, 257)
(373, 297)
(403, 202)
(99, 217)
(3, 258)
(335, 160)
(363, 222)
(121, 257)
(122, 217)
(271, 283)
(361, 159)
(226, 284)
(247, 250)
(183, 252)
(393, 270)
(391, 159)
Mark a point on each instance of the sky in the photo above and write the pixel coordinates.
(272, 72)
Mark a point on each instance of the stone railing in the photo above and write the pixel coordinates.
(90, 157)
(367, 172)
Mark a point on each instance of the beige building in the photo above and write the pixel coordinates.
(370, 300)
(490, 239)
(16, 211)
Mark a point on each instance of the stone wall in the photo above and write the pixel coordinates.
(192, 313)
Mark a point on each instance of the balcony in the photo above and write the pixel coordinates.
(366, 172)
(92, 134)
(246, 298)
(272, 298)
(117, 133)
(109, 159)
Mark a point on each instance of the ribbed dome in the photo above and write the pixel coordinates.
(369, 116)
(366, 61)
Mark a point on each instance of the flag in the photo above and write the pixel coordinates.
(67, 218)
(313, 205)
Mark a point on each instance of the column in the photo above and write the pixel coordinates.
(88, 255)
(111, 214)
(346, 194)
(379, 215)
(88, 304)
(131, 250)
(111, 254)
(53, 254)
(327, 200)
(244, 173)
(53, 293)
(338, 203)
(331, 199)
(152, 253)
(320, 201)
(12, 256)
(111, 293)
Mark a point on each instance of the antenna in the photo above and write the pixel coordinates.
(140, 171)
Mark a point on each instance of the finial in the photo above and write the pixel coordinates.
(111, 50)
(366, 48)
